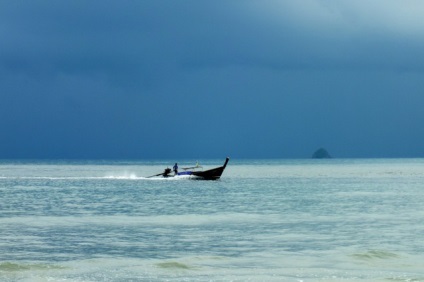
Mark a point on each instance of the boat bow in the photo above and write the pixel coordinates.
(211, 174)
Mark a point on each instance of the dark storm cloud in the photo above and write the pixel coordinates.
(248, 78)
(138, 38)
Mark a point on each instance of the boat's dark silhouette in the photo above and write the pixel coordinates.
(210, 174)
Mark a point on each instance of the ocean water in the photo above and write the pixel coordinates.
(265, 220)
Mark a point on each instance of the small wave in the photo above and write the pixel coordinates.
(375, 254)
(13, 267)
(173, 265)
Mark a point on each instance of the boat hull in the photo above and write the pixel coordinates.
(211, 174)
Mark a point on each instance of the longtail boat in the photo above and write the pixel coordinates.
(193, 173)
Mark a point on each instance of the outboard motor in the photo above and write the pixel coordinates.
(166, 172)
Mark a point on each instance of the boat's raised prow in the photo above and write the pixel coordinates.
(211, 174)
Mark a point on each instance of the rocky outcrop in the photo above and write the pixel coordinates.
(321, 153)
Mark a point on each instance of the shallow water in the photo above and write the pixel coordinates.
(265, 220)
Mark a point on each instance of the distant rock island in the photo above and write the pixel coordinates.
(321, 153)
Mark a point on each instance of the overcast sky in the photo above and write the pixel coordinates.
(206, 79)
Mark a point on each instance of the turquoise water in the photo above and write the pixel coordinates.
(265, 220)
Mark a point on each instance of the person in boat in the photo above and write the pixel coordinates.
(175, 168)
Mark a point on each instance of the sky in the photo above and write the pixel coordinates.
(200, 79)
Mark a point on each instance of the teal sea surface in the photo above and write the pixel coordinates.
(264, 220)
